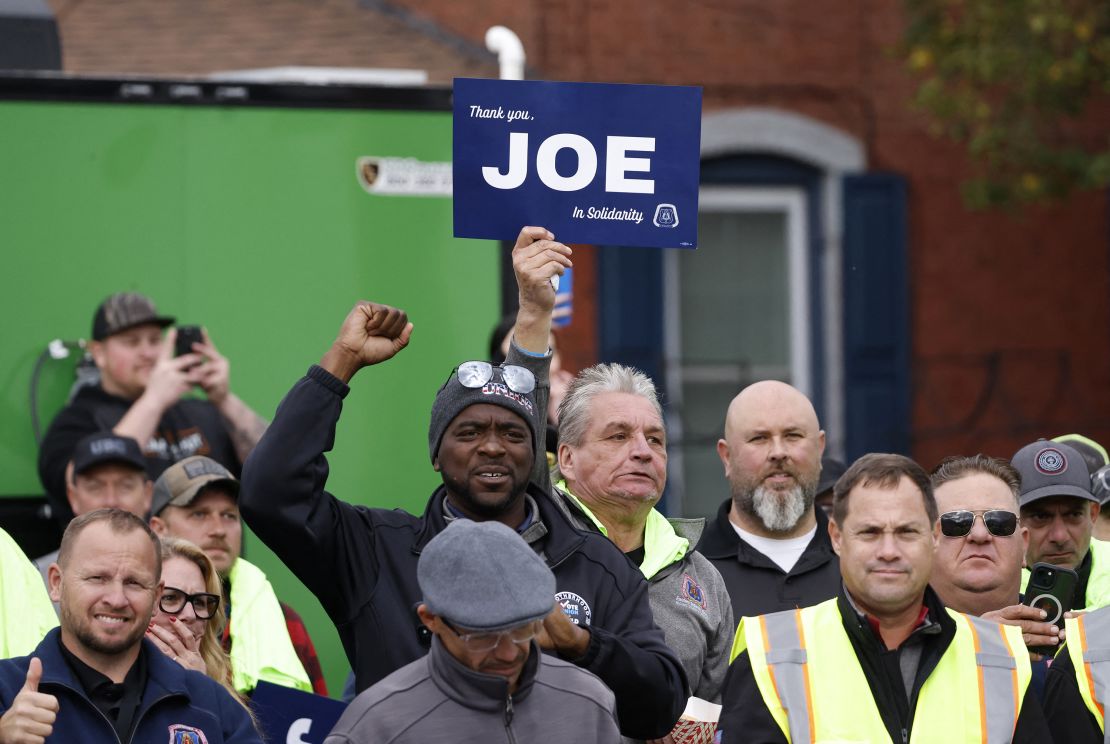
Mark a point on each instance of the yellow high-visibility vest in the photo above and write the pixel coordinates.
(260, 644)
(26, 613)
(1089, 649)
(811, 681)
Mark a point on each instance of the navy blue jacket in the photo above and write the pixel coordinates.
(361, 564)
(173, 697)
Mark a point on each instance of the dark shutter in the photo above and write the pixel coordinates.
(876, 315)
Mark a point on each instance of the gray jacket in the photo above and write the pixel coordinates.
(438, 699)
(690, 603)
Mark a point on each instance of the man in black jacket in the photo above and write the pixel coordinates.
(143, 393)
(483, 440)
(768, 541)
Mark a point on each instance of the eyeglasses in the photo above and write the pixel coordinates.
(173, 601)
(476, 374)
(999, 522)
(480, 643)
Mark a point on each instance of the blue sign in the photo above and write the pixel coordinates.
(594, 163)
(288, 716)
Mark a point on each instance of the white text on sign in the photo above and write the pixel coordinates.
(618, 163)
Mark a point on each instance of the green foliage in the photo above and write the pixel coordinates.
(1022, 84)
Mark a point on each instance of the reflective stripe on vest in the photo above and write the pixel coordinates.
(1091, 662)
(999, 702)
(954, 703)
(784, 647)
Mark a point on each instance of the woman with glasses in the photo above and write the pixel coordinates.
(187, 621)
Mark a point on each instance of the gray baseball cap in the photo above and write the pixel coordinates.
(1051, 469)
(180, 483)
(483, 576)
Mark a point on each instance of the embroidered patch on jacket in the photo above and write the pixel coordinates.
(691, 594)
(182, 734)
(574, 607)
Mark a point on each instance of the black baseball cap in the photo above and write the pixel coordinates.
(125, 310)
(831, 470)
(104, 446)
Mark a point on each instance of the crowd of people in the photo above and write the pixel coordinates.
(540, 590)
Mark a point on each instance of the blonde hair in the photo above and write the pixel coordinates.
(215, 658)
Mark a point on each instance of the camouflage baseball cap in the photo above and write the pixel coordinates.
(182, 481)
(125, 310)
(1051, 469)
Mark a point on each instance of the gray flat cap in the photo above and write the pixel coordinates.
(483, 576)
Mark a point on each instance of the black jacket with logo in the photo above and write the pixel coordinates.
(745, 717)
(191, 426)
(756, 584)
(360, 563)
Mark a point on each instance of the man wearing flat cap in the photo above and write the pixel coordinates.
(143, 393)
(485, 440)
(1059, 510)
(486, 593)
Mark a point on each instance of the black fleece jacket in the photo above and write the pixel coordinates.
(360, 563)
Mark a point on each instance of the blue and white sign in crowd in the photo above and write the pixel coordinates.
(594, 163)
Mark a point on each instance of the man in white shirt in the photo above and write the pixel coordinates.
(768, 541)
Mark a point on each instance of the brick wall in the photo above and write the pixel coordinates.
(1011, 311)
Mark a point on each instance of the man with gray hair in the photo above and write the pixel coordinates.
(613, 465)
(768, 541)
(486, 593)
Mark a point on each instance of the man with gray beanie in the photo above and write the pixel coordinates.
(486, 593)
(485, 441)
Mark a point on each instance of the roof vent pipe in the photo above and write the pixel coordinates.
(510, 52)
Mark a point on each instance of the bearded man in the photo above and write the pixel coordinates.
(768, 541)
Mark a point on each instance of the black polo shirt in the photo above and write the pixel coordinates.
(119, 702)
(756, 584)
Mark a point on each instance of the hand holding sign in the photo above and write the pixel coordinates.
(536, 259)
(30, 719)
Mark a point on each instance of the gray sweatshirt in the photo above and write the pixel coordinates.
(689, 602)
(438, 699)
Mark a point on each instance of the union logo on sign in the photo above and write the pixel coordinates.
(666, 215)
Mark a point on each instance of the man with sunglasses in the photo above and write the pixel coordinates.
(485, 595)
(1059, 510)
(196, 500)
(977, 567)
(485, 440)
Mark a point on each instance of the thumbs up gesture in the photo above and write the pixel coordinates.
(30, 719)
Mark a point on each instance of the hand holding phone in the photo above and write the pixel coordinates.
(187, 335)
(1051, 589)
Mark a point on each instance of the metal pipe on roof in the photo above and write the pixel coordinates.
(509, 50)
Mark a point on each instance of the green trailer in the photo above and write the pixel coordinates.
(262, 212)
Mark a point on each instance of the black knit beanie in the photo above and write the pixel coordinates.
(453, 397)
